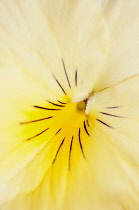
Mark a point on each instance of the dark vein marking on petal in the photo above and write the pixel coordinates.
(70, 151)
(58, 151)
(22, 123)
(79, 136)
(40, 107)
(88, 123)
(61, 102)
(55, 104)
(86, 129)
(66, 72)
(113, 107)
(59, 85)
(58, 131)
(104, 123)
(76, 76)
(112, 115)
(37, 134)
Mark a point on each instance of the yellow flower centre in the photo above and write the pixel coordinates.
(81, 105)
(58, 122)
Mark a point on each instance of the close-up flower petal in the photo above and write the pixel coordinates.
(122, 60)
(69, 116)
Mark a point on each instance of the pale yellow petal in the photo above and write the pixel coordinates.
(83, 46)
(32, 130)
(103, 171)
(26, 41)
(55, 41)
(114, 114)
(52, 155)
(122, 18)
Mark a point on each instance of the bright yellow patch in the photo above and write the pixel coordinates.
(58, 122)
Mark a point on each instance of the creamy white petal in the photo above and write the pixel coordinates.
(115, 117)
(54, 37)
(103, 171)
(83, 46)
(122, 18)
(25, 40)
(52, 155)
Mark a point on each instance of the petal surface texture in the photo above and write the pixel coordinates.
(122, 61)
(54, 43)
(115, 120)
(69, 105)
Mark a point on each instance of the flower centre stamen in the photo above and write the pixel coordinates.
(81, 105)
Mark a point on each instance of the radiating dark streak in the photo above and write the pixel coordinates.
(58, 151)
(113, 107)
(61, 102)
(66, 72)
(104, 123)
(86, 129)
(58, 131)
(112, 115)
(70, 151)
(22, 123)
(76, 77)
(55, 104)
(40, 107)
(59, 85)
(88, 123)
(37, 134)
(79, 135)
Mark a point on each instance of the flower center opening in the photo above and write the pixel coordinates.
(58, 124)
(81, 105)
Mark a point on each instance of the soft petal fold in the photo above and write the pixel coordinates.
(115, 117)
(122, 18)
(56, 43)
(53, 156)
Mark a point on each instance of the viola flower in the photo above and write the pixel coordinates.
(69, 105)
